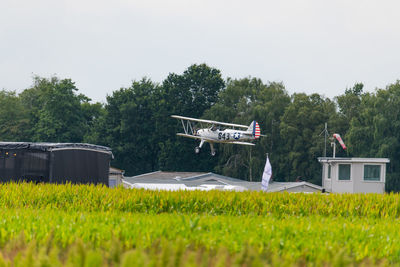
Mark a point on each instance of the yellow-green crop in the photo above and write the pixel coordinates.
(77, 224)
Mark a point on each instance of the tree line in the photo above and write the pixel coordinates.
(135, 122)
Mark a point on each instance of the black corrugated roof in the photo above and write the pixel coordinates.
(52, 146)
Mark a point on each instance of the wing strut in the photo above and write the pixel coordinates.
(187, 127)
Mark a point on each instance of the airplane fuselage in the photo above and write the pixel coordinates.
(225, 136)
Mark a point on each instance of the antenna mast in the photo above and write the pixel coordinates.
(326, 134)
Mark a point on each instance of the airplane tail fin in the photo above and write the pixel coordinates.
(254, 128)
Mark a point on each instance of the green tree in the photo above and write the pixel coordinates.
(128, 127)
(300, 127)
(193, 92)
(94, 115)
(14, 118)
(375, 132)
(349, 109)
(55, 111)
(349, 103)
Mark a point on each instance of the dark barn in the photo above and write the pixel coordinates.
(54, 162)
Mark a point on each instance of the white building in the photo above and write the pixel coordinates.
(354, 175)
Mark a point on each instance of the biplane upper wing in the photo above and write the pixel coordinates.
(210, 122)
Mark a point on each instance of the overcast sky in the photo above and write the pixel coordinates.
(310, 45)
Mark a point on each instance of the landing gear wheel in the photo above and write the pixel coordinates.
(213, 153)
(197, 150)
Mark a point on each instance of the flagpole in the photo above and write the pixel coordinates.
(251, 177)
(325, 131)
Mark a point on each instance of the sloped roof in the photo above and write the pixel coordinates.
(283, 186)
(52, 146)
(195, 179)
(161, 177)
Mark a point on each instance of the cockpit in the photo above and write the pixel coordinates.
(215, 127)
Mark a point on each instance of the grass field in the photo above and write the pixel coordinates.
(57, 225)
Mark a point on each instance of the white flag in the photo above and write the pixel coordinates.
(266, 175)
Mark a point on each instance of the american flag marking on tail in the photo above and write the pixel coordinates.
(256, 130)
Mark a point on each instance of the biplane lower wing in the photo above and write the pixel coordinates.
(211, 140)
(195, 137)
(240, 143)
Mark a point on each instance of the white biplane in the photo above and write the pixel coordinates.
(215, 134)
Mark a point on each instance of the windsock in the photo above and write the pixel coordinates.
(337, 136)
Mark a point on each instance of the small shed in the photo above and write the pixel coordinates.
(115, 177)
(54, 162)
(354, 175)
